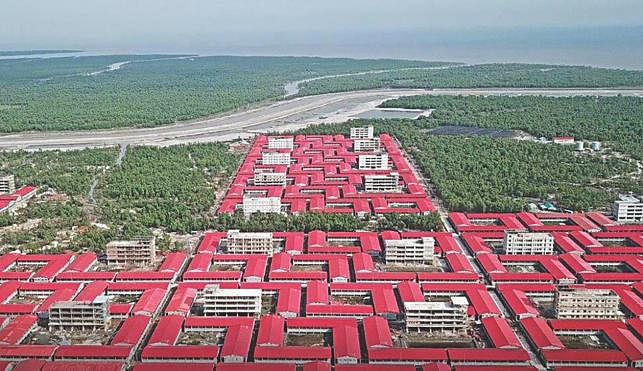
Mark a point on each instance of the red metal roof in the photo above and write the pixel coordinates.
(183, 352)
(131, 331)
(178, 366)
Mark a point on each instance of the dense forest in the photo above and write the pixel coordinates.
(615, 120)
(70, 93)
(171, 187)
(152, 90)
(483, 76)
(487, 174)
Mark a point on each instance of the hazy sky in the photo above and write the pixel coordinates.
(97, 24)
(466, 30)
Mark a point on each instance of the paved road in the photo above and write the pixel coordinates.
(280, 116)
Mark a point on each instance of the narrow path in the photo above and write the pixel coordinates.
(292, 88)
(91, 195)
(121, 154)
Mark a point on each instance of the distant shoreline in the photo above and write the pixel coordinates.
(16, 53)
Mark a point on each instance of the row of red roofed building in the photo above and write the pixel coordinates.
(361, 175)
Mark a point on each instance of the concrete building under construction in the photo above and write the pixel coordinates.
(231, 302)
(249, 243)
(587, 304)
(80, 315)
(138, 251)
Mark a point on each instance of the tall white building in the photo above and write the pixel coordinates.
(411, 251)
(628, 209)
(231, 302)
(80, 315)
(366, 145)
(7, 184)
(262, 178)
(430, 316)
(280, 143)
(140, 251)
(528, 243)
(587, 304)
(373, 162)
(253, 205)
(249, 243)
(382, 183)
(365, 132)
(275, 158)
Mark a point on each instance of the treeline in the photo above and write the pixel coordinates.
(615, 120)
(325, 222)
(61, 93)
(484, 76)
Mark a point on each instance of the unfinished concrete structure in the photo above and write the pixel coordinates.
(138, 251)
(249, 243)
(528, 243)
(448, 316)
(417, 251)
(80, 315)
(388, 183)
(231, 302)
(587, 304)
(7, 184)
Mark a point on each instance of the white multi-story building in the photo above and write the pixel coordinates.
(411, 251)
(80, 315)
(628, 209)
(280, 143)
(262, 178)
(275, 158)
(364, 132)
(373, 162)
(528, 243)
(587, 304)
(382, 183)
(429, 316)
(366, 145)
(253, 205)
(231, 302)
(7, 184)
(249, 243)
(140, 251)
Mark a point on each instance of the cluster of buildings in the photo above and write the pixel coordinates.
(360, 175)
(505, 291)
(12, 199)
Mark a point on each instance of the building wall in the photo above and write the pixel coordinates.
(7, 185)
(275, 158)
(231, 302)
(587, 304)
(253, 205)
(419, 251)
(373, 162)
(249, 243)
(382, 183)
(72, 315)
(137, 252)
(526, 243)
(365, 132)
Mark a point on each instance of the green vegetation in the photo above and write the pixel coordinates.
(483, 76)
(171, 188)
(325, 222)
(70, 173)
(63, 94)
(618, 121)
(485, 174)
